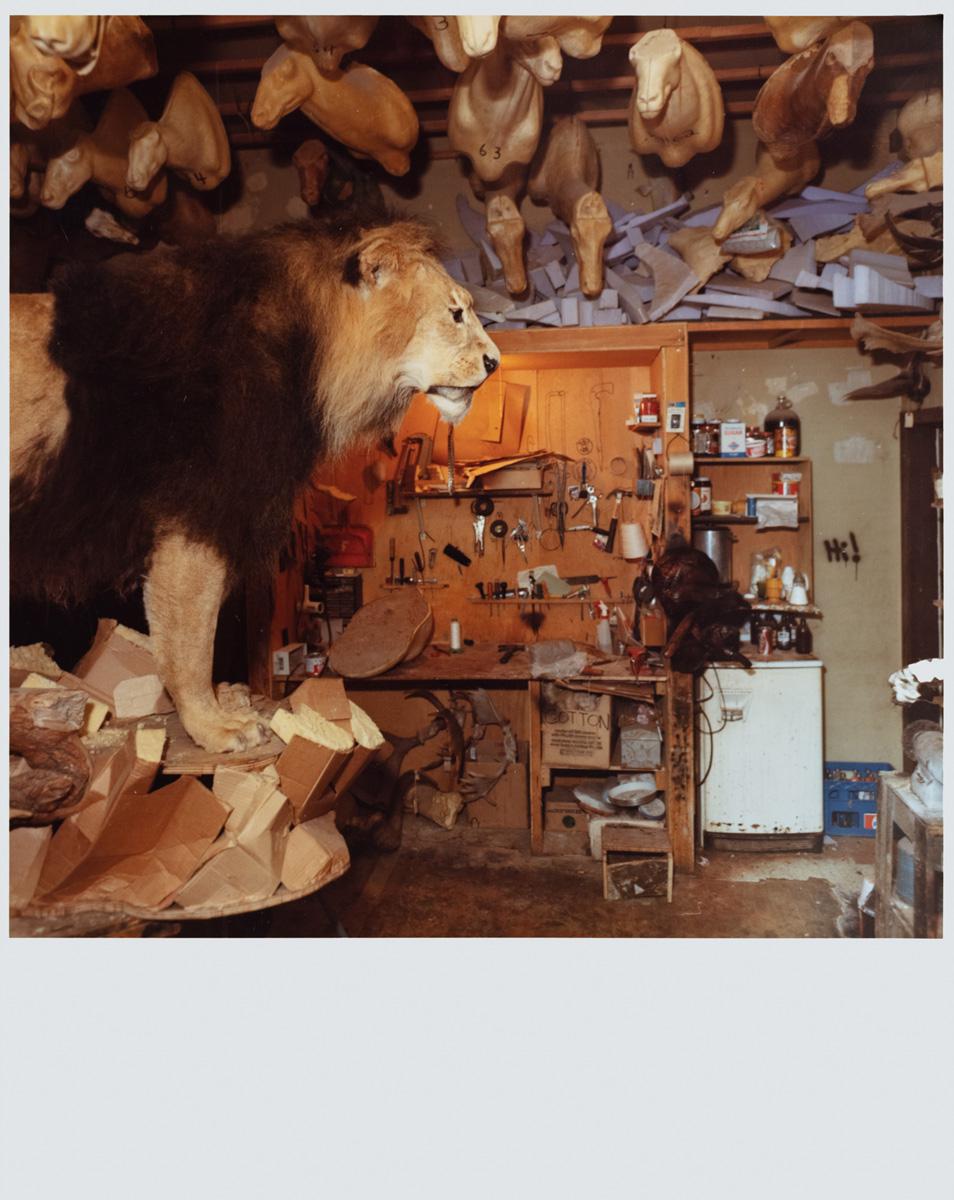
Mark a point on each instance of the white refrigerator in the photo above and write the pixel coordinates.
(761, 769)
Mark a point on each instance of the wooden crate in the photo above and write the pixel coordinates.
(637, 863)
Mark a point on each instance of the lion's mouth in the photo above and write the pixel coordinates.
(452, 393)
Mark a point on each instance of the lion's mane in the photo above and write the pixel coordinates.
(200, 399)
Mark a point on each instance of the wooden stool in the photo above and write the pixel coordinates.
(902, 814)
(637, 862)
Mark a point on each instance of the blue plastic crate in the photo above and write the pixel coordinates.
(851, 798)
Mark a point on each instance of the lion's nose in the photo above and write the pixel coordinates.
(490, 364)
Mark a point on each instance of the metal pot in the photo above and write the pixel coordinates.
(716, 542)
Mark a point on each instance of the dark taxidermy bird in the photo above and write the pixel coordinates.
(704, 615)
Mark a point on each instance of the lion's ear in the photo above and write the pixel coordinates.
(373, 262)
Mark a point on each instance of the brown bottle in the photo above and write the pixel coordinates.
(803, 637)
(785, 429)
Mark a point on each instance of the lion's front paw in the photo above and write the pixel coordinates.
(222, 732)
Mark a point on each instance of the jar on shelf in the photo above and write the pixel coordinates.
(699, 437)
(785, 429)
(756, 442)
(701, 495)
(713, 438)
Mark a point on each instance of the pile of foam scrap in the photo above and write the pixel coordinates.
(95, 828)
(330, 741)
(820, 253)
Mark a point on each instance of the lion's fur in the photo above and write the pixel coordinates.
(196, 390)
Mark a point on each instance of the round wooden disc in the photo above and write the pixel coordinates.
(379, 635)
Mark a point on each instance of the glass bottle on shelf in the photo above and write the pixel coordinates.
(803, 637)
(785, 428)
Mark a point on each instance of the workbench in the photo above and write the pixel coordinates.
(480, 666)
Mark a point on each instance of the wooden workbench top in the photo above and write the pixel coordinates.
(482, 662)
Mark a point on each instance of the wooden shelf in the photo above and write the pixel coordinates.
(731, 519)
(716, 460)
(591, 599)
(474, 493)
(800, 610)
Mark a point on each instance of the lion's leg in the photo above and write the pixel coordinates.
(183, 593)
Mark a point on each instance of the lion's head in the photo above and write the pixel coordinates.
(406, 327)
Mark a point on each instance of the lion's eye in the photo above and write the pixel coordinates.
(457, 314)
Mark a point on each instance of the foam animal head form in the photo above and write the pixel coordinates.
(657, 60)
(421, 319)
(76, 39)
(283, 87)
(42, 85)
(541, 57)
(312, 163)
(478, 35)
(848, 57)
(327, 39)
(147, 155)
(920, 124)
(189, 137)
(795, 34)
(580, 37)
(444, 35)
(65, 174)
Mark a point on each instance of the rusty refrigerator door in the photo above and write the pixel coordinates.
(763, 789)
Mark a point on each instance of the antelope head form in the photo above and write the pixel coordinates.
(65, 175)
(590, 226)
(282, 88)
(657, 60)
(312, 164)
(147, 155)
(847, 62)
(541, 57)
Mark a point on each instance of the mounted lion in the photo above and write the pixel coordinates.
(166, 410)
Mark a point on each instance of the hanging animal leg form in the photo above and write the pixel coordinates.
(183, 594)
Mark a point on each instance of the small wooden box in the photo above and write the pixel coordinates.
(637, 863)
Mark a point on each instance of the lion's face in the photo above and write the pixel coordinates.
(449, 355)
(438, 344)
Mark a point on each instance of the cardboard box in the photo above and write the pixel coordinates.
(244, 792)
(313, 850)
(307, 772)
(507, 805)
(732, 439)
(233, 875)
(564, 816)
(122, 673)
(573, 736)
(134, 849)
(287, 659)
(28, 848)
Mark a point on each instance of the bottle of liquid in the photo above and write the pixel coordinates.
(783, 636)
(803, 637)
(785, 429)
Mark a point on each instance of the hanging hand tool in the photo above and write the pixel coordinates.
(614, 521)
(537, 517)
(419, 563)
(450, 460)
(509, 650)
(498, 530)
(457, 556)
(482, 506)
(422, 533)
(391, 557)
(520, 535)
(479, 523)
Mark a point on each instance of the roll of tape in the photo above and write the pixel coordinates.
(681, 462)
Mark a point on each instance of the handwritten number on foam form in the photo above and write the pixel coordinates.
(483, 151)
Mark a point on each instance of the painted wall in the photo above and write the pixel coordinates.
(856, 480)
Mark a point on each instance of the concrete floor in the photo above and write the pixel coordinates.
(484, 883)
